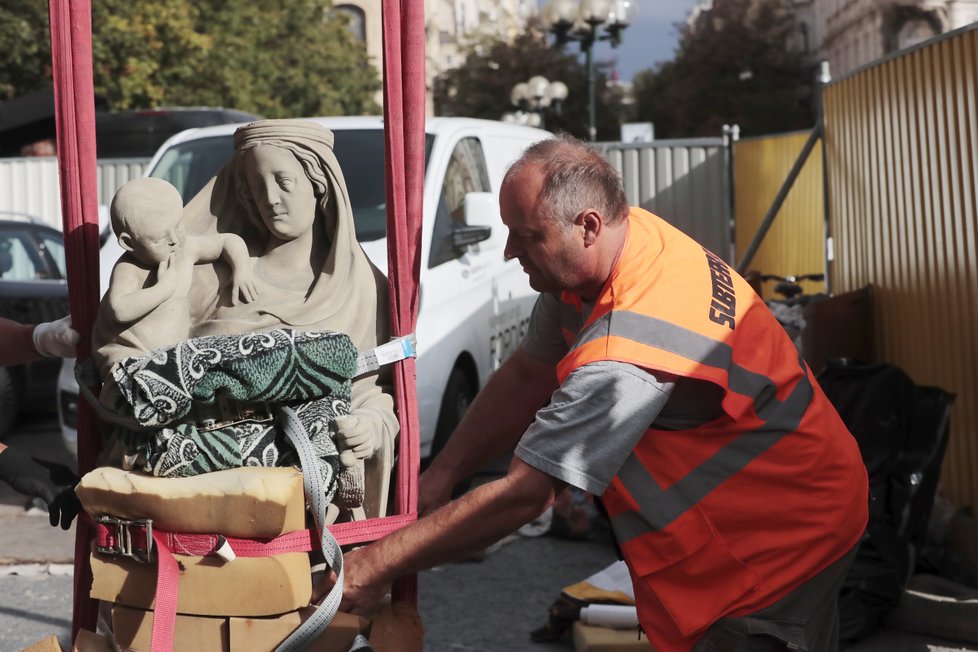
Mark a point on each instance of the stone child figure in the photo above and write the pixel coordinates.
(147, 306)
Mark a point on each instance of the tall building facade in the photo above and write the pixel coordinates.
(852, 33)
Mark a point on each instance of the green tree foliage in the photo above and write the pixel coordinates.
(25, 58)
(736, 67)
(481, 87)
(276, 58)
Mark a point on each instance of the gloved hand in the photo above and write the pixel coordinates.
(51, 482)
(56, 338)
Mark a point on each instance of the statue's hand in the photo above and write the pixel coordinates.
(355, 436)
(245, 287)
(167, 276)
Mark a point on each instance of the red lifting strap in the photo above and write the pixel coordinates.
(404, 116)
(74, 103)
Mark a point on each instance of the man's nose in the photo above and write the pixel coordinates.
(509, 251)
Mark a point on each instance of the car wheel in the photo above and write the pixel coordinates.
(9, 402)
(454, 403)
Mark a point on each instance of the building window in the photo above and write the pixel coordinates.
(356, 21)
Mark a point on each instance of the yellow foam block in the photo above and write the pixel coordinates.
(245, 502)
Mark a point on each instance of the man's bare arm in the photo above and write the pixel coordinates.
(493, 424)
(477, 519)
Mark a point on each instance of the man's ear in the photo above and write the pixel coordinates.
(590, 220)
(125, 241)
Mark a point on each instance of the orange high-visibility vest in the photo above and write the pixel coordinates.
(727, 518)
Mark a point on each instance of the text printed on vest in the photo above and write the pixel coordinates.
(723, 307)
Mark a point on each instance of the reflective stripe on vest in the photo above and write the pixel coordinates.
(659, 507)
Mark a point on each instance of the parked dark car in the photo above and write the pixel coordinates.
(139, 133)
(33, 289)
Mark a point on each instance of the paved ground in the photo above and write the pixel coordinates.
(487, 606)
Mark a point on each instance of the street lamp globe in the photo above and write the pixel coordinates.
(581, 20)
(622, 13)
(594, 12)
(558, 91)
(520, 93)
(537, 86)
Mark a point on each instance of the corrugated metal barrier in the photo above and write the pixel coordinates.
(795, 244)
(685, 182)
(30, 185)
(901, 148)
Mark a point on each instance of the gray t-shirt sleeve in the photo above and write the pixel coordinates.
(592, 423)
(543, 339)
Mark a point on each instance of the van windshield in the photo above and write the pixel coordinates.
(360, 152)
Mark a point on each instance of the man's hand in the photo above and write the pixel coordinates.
(56, 338)
(53, 483)
(355, 436)
(362, 590)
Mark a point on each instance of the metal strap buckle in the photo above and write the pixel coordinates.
(122, 539)
(232, 412)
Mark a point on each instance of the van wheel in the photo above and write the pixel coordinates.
(454, 403)
(9, 402)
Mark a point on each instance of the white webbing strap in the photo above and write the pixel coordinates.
(399, 348)
(308, 631)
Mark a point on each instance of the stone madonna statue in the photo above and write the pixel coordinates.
(270, 247)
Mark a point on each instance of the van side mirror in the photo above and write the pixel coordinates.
(482, 210)
(464, 235)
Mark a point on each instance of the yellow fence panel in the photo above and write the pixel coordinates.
(795, 244)
(901, 145)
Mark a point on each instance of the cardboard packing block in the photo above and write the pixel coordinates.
(245, 502)
(87, 641)
(259, 586)
(133, 630)
(588, 638)
(49, 644)
(397, 628)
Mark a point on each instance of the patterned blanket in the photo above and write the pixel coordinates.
(176, 392)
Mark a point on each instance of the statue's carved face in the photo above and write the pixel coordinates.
(281, 191)
(154, 240)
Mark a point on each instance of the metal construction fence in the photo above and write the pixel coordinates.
(685, 182)
(901, 142)
(30, 185)
(795, 244)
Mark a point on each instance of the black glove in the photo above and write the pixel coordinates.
(53, 483)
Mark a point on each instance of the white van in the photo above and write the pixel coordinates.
(474, 305)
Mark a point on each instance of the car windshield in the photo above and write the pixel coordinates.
(360, 152)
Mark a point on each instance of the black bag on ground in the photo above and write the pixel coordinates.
(902, 432)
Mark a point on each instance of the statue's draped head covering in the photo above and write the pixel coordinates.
(349, 294)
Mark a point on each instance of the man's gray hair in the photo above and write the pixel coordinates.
(576, 177)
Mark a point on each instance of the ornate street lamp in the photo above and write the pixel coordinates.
(533, 97)
(588, 21)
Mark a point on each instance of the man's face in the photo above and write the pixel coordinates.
(551, 254)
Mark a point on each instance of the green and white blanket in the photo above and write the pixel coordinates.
(175, 391)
